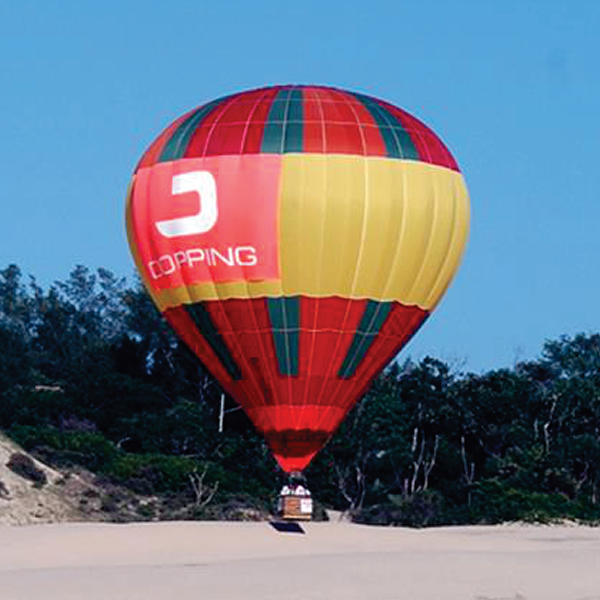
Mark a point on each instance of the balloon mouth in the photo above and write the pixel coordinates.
(295, 448)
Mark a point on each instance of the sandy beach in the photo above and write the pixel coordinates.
(329, 561)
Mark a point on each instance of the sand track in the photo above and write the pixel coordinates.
(331, 561)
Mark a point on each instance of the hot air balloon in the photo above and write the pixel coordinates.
(296, 237)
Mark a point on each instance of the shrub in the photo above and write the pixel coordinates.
(319, 512)
(66, 448)
(23, 465)
(238, 507)
(423, 509)
(30, 437)
(495, 501)
(88, 449)
(109, 505)
(152, 473)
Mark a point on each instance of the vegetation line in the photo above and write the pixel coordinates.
(92, 378)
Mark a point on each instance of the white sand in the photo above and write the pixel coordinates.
(22, 503)
(331, 561)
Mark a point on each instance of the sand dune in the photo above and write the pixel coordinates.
(330, 561)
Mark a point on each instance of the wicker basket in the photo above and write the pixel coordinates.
(295, 507)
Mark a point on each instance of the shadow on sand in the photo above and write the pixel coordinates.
(287, 527)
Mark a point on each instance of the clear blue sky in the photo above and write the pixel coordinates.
(512, 86)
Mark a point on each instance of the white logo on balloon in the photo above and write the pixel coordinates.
(203, 184)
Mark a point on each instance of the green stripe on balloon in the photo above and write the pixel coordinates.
(177, 144)
(207, 328)
(397, 140)
(284, 129)
(294, 123)
(370, 324)
(284, 314)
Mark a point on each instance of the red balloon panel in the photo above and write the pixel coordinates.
(237, 341)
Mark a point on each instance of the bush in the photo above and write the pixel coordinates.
(152, 473)
(495, 501)
(66, 448)
(30, 437)
(30, 408)
(239, 507)
(423, 509)
(319, 512)
(23, 465)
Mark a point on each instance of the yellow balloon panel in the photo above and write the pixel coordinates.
(370, 228)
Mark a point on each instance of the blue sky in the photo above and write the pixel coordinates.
(511, 86)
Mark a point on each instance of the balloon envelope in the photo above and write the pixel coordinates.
(296, 237)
